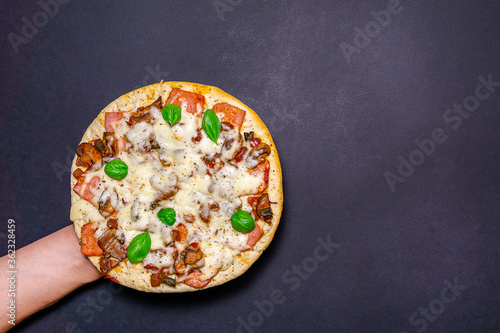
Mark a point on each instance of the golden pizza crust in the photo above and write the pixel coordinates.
(135, 275)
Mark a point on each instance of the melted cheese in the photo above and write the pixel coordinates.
(84, 210)
(177, 170)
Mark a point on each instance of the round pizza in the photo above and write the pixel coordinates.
(176, 187)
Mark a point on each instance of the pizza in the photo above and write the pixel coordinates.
(176, 187)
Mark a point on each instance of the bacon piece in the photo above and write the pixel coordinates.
(110, 120)
(84, 189)
(194, 280)
(229, 113)
(193, 100)
(261, 171)
(254, 236)
(89, 245)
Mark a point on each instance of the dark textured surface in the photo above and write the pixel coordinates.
(339, 126)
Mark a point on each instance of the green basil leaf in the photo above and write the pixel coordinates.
(171, 113)
(139, 247)
(167, 216)
(242, 221)
(116, 169)
(211, 125)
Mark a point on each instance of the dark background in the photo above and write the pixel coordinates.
(339, 125)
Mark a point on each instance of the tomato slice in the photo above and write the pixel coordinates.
(229, 113)
(89, 245)
(193, 100)
(261, 171)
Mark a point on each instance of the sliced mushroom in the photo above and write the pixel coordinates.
(176, 235)
(111, 144)
(142, 114)
(167, 183)
(88, 155)
(257, 155)
(161, 277)
(107, 263)
(188, 218)
(104, 204)
(206, 210)
(137, 209)
(101, 147)
(263, 208)
(213, 161)
(112, 223)
(248, 136)
(231, 147)
(191, 256)
(111, 245)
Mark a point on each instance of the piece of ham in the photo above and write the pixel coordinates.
(261, 171)
(88, 244)
(229, 113)
(193, 100)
